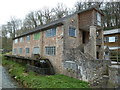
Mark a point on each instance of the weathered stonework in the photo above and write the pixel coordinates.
(114, 76)
(84, 67)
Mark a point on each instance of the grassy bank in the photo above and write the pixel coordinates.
(33, 80)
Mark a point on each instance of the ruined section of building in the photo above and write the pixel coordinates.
(82, 30)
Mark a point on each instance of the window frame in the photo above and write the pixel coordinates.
(50, 50)
(34, 49)
(28, 50)
(20, 50)
(15, 51)
(36, 36)
(51, 32)
(21, 39)
(28, 36)
(69, 32)
(99, 19)
(16, 40)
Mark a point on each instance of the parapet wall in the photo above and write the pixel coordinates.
(78, 65)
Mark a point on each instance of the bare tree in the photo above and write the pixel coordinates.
(60, 11)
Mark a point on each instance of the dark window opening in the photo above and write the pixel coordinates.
(83, 37)
(97, 55)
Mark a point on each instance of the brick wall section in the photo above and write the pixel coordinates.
(58, 42)
(86, 19)
(41, 43)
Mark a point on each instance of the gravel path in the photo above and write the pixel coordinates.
(5, 79)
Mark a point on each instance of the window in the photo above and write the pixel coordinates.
(98, 19)
(27, 50)
(51, 32)
(21, 39)
(116, 38)
(16, 41)
(111, 39)
(27, 38)
(14, 51)
(36, 50)
(20, 50)
(106, 39)
(72, 31)
(37, 36)
(50, 50)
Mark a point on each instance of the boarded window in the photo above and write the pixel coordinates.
(50, 50)
(20, 50)
(27, 38)
(72, 31)
(51, 32)
(27, 50)
(37, 36)
(36, 50)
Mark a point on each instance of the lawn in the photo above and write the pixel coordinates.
(34, 80)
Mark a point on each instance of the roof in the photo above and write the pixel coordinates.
(113, 31)
(54, 23)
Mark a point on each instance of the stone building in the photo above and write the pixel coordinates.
(82, 30)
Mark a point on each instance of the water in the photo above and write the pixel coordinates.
(5, 80)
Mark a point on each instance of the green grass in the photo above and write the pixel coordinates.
(33, 80)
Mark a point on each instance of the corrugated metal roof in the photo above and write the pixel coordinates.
(113, 31)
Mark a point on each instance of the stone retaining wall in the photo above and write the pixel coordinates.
(78, 65)
(114, 76)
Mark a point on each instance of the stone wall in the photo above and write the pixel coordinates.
(78, 65)
(114, 76)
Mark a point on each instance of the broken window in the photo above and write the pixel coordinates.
(72, 31)
(50, 50)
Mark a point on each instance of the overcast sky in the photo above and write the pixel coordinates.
(19, 8)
